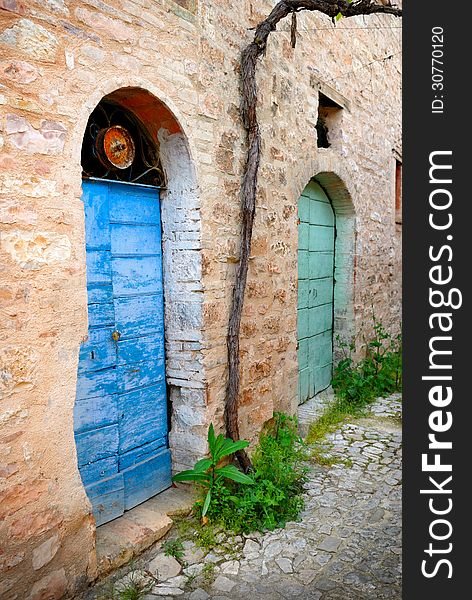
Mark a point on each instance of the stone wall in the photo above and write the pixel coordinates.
(360, 155)
(58, 59)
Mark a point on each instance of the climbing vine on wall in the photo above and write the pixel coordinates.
(334, 9)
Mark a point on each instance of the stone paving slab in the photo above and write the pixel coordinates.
(346, 546)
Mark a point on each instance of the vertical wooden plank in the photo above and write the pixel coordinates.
(303, 323)
(95, 411)
(138, 455)
(136, 274)
(303, 236)
(321, 213)
(107, 498)
(96, 384)
(303, 353)
(321, 238)
(303, 293)
(322, 377)
(98, 351)
(304, 384)
(99, 470)
(304, 209)
(97, 221)
(139, 315)
(143, 415)
(303, 264)
(96, 444)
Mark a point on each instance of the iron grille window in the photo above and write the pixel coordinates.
(117, 147)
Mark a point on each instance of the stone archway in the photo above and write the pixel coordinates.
(326, 268)
(345, 255)
(180, 219)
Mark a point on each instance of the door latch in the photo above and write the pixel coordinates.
(116, 335)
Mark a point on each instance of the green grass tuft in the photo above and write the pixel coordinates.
(335, 415)
(174, 548)
(134, 589)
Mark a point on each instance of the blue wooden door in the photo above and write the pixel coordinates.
(120, 417)
(316, 238)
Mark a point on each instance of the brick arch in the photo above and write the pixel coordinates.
(337, 191)
(345, 255)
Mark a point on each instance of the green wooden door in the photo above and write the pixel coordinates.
(316, 233)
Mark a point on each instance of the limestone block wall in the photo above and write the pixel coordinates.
(351, 61)
(58, 59)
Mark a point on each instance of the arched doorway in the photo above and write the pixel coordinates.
(316, 263)
(326, 279)
(120, 415)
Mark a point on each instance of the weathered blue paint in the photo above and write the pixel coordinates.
(120, 416)
(107, 497)
(147, 478)
(133, 457)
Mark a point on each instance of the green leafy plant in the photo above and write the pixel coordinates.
(174, 548)
(357, 384)
(204, 536)
(191, 529)
(133, 591)
(334, 414)
(378, 374)
(279, 474)
(206, 471)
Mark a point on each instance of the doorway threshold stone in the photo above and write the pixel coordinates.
(118, 541)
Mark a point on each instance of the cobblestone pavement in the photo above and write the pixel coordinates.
(346, 546)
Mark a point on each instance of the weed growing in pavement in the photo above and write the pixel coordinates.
(276, 495)
(135, 588)
(356, 385)
(174, 548)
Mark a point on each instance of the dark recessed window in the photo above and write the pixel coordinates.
(329, 116)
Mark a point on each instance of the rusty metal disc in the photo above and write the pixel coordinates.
(115, 147)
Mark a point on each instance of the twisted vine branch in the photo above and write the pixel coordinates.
(249, 58)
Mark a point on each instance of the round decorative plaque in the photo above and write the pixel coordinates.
(115, 147)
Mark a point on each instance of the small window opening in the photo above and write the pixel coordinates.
(329, 115)
(398, 191)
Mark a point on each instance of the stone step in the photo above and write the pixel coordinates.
(120, 540)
